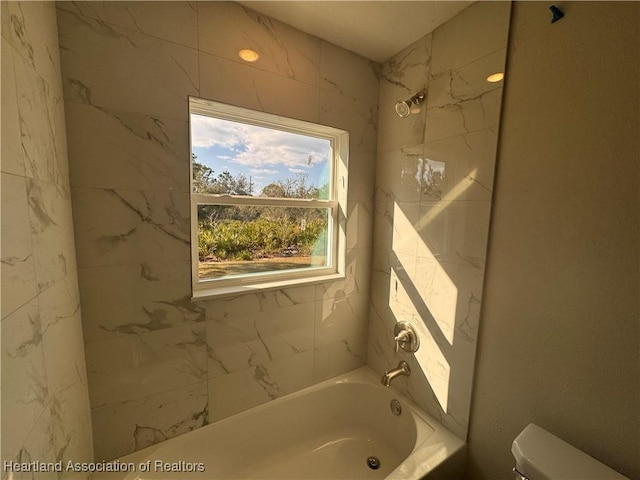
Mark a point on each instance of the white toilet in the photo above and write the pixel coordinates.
(541, 455)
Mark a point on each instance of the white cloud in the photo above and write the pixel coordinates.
(297, 170)
(210, 132)
(224, 157)
(272, 147)
(265, 171)
(258, 147)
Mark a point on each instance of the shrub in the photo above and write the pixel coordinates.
(261, 237)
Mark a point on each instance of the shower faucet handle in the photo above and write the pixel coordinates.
(406, 337)
(402, 338)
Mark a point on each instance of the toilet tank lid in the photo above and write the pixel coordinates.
(541, 455)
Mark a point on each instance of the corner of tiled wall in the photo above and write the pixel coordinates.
(433, 200)
(45, 402)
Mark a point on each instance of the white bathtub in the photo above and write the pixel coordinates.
(326, 431)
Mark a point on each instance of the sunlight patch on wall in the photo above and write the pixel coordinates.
(435, 366)
(404, 233)
(436, 289)
(399, 299)
(432, 362)
(423, 280)
(439, 294)
(420, 280)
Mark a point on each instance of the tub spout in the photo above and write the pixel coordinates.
(389, 375)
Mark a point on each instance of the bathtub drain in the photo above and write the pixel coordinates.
(373, 463)
(396, 408)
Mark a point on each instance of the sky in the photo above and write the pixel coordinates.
(264, 154)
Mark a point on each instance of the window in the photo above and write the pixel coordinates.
(268, 200)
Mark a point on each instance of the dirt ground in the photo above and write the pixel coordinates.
(219, 269)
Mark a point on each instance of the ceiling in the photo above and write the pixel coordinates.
(376, 30)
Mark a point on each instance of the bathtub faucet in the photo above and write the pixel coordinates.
(389, 375)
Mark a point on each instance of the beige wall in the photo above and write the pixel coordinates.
(45, 402)
(559, 335)
(158, 364)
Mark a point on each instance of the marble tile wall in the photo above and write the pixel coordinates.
(158, 364)
(432, 206)
(45, 401)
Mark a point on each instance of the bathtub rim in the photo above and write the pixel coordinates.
(430, 451)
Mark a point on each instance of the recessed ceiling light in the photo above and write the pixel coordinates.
(495, 77)
(248, 55)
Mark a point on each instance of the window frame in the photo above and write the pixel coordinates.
(337, 203)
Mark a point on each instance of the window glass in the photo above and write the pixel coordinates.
(239, 240)
(268, 196)
(242, 159)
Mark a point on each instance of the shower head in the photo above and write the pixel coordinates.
(403, 107)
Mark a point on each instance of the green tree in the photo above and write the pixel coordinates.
(226, 183)
(250, 232)
(204, 181)
(291, 187)
(202, 176)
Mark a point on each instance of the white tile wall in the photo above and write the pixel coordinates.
(127, 73)
(158, 364)
(432, 206)
(45, 400)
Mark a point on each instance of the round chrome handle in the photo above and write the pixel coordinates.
(406, 337)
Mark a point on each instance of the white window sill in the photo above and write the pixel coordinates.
(211, 292)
